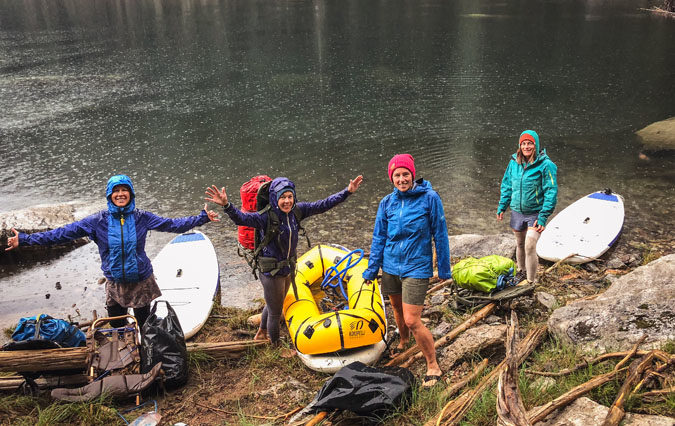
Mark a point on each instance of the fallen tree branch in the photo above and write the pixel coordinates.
(631, 352)
(555, 265)
(595, 360)
(637, 367)
(439, 286)
(76, 358)
(236, 413)
(538, 414)
(510, 407)
(414, 353)
(459, 407)
(447, 393)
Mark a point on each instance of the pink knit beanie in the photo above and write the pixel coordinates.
(401, 160)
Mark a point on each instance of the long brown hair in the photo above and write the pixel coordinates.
(520, 158)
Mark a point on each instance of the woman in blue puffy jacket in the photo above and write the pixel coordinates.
(120, 233)
(407, 221)
(278, 258)
(530, 189)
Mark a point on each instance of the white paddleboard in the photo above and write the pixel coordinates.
(331, 363)
(187, 272)
(587, 228)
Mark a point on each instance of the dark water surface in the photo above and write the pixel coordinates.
(182, 94)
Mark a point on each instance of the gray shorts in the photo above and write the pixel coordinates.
(520, 222)
(413, 290)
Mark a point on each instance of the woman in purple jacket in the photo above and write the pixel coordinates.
(278, 257)
(120, 232)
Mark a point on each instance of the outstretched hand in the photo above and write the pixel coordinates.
(500, 216)
(215, 195)
(13, 242)
(354, 184)
(213, 216)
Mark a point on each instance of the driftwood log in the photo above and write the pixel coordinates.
(458, 408)
(510, 407)
(637, 367)
(10, 383)
(415, 353)
(76, 358)
(538, 414)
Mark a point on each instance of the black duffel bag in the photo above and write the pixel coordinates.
(163, 341)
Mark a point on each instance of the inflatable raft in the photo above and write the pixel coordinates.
(353, 332)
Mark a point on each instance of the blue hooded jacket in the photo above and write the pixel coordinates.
(405, 224)
(284, 247)
(119, 233)
(532, 189)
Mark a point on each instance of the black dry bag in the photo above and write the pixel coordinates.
(369, 392)
(163, 341)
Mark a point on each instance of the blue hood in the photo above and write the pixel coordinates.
(120, 180)
(277, 185)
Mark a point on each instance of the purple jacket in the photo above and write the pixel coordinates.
(288, 226)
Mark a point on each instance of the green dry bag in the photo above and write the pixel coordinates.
(481, 274)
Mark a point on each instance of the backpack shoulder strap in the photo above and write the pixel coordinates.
(298, 217)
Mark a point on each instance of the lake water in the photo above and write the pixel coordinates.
(183, 94)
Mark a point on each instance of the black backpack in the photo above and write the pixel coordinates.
(252, 257)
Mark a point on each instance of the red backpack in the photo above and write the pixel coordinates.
(248, 192)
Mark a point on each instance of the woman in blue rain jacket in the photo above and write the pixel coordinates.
(120, 233)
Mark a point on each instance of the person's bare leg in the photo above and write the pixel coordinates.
(531, 258)
(403, 330)
(520, 250)
(413, 319)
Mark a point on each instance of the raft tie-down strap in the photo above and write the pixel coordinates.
(334, 276)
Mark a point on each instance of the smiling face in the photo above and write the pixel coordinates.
(286, 202)
(402, 179)
(121, 195)
(527, 148)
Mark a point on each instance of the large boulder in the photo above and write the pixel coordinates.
(475, 245)
(658, 136)
(584, 412)
(44, 217)
(638, 303)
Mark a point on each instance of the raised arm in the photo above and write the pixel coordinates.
(64, 234)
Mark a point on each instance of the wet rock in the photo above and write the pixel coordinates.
(615, 263)
(482, 245)
(101, 280)
(441, 329)
(47, 296)
(584, 411)
(658, 136)
(591, 267)
(437, 299)
(545, 299)
(58, 285)
(492, 319)
(44, 217)
(472, 341)
(524, 304)
(637, 303)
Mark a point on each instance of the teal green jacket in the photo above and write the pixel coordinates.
(530, 190)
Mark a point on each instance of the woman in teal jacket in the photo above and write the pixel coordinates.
(530, 189)
(407, 221)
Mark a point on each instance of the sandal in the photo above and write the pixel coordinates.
(395, 351)
(431, 380)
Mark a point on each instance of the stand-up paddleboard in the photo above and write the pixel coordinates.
(187, 272)
(586, 229)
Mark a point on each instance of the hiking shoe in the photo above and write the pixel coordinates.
(520, 276)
